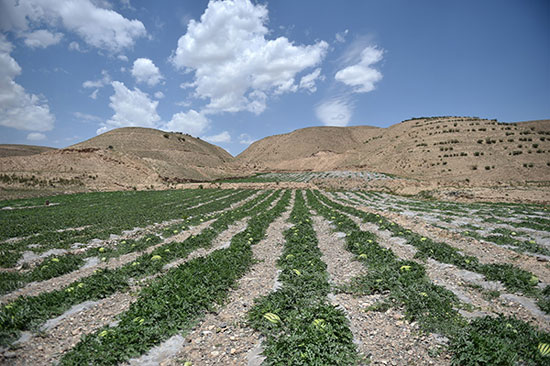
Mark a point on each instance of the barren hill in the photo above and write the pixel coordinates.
(22, 150)
(119, 159)
(174, 156)
(442, 148)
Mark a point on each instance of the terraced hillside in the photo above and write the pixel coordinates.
(273, 277)
(446, 149)
(22, 150)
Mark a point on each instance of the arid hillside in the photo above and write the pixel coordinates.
(175, 156)
(22, 150)
(120, 159)
(439, 148)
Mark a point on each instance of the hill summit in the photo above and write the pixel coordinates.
(120, 159)
(435, 148)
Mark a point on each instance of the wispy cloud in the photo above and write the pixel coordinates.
(335, 111)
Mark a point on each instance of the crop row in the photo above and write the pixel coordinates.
(28, 312)
(54, 266)
(45, 230)
(487, 340)
(534, 216)
(172, 303)
(300, 325)
(513, 278)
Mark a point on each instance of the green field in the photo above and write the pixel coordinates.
(472, 276)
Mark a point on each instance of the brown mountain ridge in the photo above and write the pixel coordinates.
(447, 150)
(436, 148)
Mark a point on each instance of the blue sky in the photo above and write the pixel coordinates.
(236, 71)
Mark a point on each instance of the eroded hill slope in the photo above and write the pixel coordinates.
(442, 148)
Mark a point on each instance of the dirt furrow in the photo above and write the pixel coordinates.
(471, 288)
(485, 252)
(30, 258)
(222, 338)
(49, 344)
(385, 338)
(36, 288)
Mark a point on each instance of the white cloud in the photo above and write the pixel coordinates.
(308, 81)
(98, 26)
(234, 65)
(36, 136)
(245, 139)
(159, 95)
(86, 117)
(75, 46)
(219, 138)
(334, 112)
(192, 122)
(122, 58)
(94, 94)
(145, 71)
(132, 108)
(99, 83)
(362, 76)
(341, 37)
(42, 38)
(17, 108)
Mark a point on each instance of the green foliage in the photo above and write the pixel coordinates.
(502, 341)
(174, 302)
(484, 341)
(37, 309)
(311, 331)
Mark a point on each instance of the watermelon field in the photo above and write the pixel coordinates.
(272, 277)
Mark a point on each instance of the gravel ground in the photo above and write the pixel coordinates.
(36, 288)
(223, 338)
(464, 284)
(48, 345)
(384, 338)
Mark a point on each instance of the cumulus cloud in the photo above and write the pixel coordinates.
(36, 136)
(235, 67)
(132, 108)
(145, 71)
(219, 138)
(19, 109)
(98, 26)
(245, 139)
(191, 122)
(308, 81)
(334, 112)
(361, 75)
(159, 95)
(42, 38)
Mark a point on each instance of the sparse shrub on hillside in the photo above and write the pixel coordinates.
(166, 136)
(474, 167)
(479, 141)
